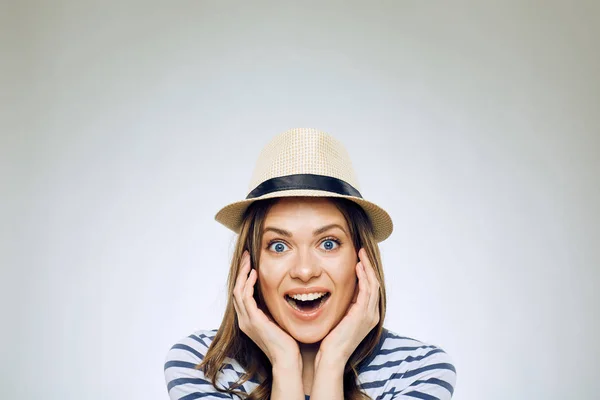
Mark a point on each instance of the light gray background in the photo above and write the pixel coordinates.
(126, 126)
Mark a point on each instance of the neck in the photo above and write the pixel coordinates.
(309, 353)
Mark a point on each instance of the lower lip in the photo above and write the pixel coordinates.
(308, 316)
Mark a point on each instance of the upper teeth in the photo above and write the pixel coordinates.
(307, 297)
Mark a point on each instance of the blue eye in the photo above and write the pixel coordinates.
(279, 246)
(329, 244)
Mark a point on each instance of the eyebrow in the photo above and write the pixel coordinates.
(315, 233)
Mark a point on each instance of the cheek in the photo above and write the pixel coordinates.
(269, 279)
(350, 277)
(351, 284)
(345, 279)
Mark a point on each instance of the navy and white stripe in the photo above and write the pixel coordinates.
(401, 368)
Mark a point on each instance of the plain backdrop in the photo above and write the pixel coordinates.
(126, 125)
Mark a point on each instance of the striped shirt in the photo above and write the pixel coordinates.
(400, 368)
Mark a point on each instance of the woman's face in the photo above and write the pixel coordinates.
(306, 247)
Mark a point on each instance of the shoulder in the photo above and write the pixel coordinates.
(182, 376)
(199, 339)
(190, 349)
(402, 365)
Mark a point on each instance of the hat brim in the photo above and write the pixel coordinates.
(231, 215)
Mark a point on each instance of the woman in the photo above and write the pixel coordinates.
(306, 293)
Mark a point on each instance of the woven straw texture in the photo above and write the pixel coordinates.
(305, 151)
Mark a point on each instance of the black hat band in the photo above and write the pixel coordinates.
(304, 182)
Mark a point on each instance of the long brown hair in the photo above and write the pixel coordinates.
(231, 342)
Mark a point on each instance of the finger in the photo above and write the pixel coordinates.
(373, 281)
(238, 313)
(363, 287)
(243, 271)
(248, 297)
(238, 291)
(356, 291)
(368, 267)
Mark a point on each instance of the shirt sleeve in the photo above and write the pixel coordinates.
(429, 376)
(183, 380)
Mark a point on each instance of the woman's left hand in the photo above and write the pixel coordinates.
(362, 316)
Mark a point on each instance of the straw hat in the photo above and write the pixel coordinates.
(304, 162)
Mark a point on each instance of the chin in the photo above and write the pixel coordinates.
(310, 333)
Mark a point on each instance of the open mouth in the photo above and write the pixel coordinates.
(307, 306)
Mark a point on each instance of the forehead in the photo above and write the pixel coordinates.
(309, 211)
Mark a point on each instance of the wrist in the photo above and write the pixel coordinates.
(287, 379)
(334, 362)
(287, 363)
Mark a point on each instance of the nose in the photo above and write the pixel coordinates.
(305, 267)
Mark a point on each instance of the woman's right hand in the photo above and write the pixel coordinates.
(279, 347)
